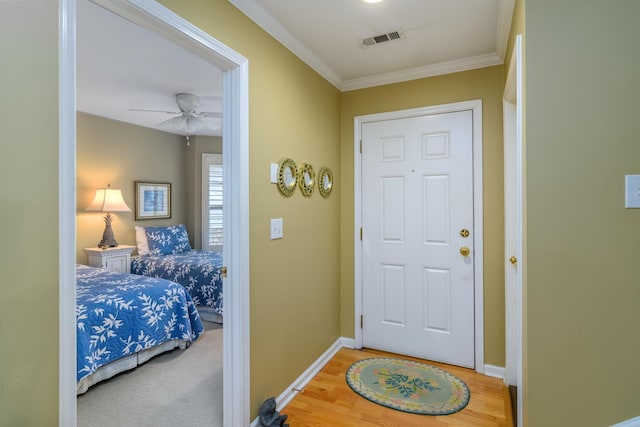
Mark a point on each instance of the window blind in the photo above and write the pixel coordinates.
(215, 204)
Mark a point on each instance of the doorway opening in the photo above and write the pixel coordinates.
(236, 219)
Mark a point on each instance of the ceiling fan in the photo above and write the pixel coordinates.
(189, 121)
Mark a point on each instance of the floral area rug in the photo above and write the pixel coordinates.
(408, 386)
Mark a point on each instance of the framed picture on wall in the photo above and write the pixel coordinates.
(153, 200)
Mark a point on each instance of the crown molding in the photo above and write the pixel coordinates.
(441, 68)
(268, 23)
(505, 16)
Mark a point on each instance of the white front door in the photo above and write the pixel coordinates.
(417, 218)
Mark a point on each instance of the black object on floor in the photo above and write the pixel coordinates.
(269, 417)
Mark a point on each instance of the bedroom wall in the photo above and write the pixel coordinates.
(582, 91)
(293, 112)
(486, 84)
(193, 175)
(118, 153)
(29, 214)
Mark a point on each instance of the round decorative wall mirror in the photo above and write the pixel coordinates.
(325, 181)
(306, 179)
(287, 174)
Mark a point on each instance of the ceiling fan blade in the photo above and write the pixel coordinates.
(210, 98)
(209, 114)
(155, 111)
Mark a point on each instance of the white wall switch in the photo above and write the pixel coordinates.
(274, 173)
(276, 228)
(632, 191)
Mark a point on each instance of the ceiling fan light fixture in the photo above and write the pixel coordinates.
(193, 125)
(190, 125)
(175, 123)
(189, 120)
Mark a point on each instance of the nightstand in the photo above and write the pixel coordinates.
(116, 259)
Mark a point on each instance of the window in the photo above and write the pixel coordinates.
(212, 202)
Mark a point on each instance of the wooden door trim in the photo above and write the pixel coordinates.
(475, 106)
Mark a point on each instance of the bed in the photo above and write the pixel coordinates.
(165, 252)
(123, 320)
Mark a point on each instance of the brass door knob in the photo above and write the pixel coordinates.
(513, 260)
(465, 251)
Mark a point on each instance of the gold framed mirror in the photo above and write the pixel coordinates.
(325, 181)
(287, 173)
(306, 179)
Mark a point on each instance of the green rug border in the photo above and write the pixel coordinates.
(395, 407)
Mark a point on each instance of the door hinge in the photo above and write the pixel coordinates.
(223, 272)
(360, 146)
(360, 233)
(361, 321)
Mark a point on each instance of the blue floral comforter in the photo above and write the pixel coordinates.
(121, 314)
(196, 270)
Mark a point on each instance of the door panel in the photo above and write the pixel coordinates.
(393, 286)
(417, 194)
(436, 209)
(437, 300)
(392, 198)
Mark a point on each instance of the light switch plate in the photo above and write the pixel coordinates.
(276, 228)
(274, 173)
(632, 191)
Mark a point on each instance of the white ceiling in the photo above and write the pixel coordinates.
(440, 36)
(122, 66)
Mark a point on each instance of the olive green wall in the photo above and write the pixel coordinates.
(29, 214)
(117, 153)
(583, 290)
(485, 84)
(293, 112)
(581, 130)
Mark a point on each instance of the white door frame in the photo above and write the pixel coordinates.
(514, 222)
(476, 107)
(153, 16)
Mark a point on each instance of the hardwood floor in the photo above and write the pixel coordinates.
(327, 400)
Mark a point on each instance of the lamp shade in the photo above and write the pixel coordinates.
(108, 200)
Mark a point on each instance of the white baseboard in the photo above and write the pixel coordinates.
(297, 385)
(495, 371)
(348, 342)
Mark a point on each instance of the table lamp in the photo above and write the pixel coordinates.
(108, 200)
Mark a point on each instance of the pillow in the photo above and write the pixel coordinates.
(167, 240)
(141, 241)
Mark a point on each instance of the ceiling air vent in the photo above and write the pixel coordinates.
(382, 38)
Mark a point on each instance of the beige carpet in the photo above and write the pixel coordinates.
(181, 387)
